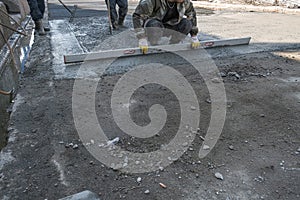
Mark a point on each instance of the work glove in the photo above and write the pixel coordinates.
(143, 44)
(195, 42)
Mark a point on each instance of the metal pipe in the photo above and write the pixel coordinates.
(15, 30)
(10, 93)
(19, 25)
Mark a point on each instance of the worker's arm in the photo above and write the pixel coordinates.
(142, 12)
(190, 13)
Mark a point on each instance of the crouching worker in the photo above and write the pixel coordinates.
(154, 19)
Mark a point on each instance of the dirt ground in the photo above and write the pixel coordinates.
(257, 152)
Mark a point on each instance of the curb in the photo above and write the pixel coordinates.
(245, 8)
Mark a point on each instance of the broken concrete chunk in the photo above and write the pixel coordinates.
(216, 80)
(114, 141)
(85, 195)
(147, 192)
(193, 108)
(219, 176)
(139, 179)
(235, 74)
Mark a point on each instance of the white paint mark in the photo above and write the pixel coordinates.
(50, 83)
(127, 105)
(62, 177)
(12, 135)
(63, 42)
(291, 80)
(297, 95)
(5, 158)
(18, 101)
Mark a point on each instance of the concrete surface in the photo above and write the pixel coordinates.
(225, 6)
(257, 153)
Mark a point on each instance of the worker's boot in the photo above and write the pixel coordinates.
(121, 21)
(46, 28)
(39, 27)
(115, 25)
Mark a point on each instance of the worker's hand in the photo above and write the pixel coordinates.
(143, 44)
(195, 42)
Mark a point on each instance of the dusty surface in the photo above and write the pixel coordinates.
(257, 153)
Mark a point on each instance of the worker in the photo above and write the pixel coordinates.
(37, 9)
(153, 18)
(117, 18)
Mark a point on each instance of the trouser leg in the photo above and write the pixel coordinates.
(113, 11)
(35, 12)
(180, 30)
(154, 30)
(41, 5)
(123, 9)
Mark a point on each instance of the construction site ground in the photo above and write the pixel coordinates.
(259, 147)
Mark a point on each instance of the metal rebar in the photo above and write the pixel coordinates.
(15, 30)
(19, 25)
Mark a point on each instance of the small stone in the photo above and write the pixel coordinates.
(193, 108)
(208, 101)
(61, 142)
(298, 149)
(147, 192)
(234, 74)
(34, 130)
(260, 178)
(219, 176)
(101, 145)
(185, 144)
(139, 179)
(231, 147)
(222, 74)
(216, 80)
(262, 115)
(91, 162)
(75, 146)
(206, 147)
